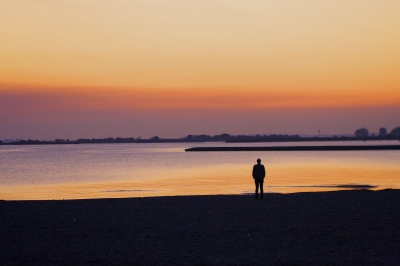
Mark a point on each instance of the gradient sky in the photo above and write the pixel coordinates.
(84, 69)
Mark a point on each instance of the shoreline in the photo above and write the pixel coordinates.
(166, 141)
(49, 192)
(338, 227)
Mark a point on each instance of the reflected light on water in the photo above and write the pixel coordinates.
(280, 179)
(148, 170)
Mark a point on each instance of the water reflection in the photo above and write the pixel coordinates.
(277, 182)
(116, 171)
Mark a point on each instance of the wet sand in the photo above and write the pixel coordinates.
(327, 228)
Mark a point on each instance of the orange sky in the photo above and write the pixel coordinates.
(171, 66)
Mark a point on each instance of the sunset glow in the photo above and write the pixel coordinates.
(305, 177)
(71, 69)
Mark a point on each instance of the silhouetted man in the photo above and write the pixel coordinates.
(259, 175)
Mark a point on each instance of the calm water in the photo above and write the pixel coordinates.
(140, 170)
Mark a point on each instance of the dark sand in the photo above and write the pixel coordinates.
(331, 228)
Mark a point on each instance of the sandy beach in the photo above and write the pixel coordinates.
(326, 228)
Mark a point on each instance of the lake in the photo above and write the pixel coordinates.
(142, 170)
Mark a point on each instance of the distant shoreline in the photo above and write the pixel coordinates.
(197, 140)
(298, 148)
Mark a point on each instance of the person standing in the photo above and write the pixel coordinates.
(258, 176)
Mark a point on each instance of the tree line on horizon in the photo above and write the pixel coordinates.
(363, 132)
(360, 134)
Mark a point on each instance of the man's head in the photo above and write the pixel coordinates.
(258, 160)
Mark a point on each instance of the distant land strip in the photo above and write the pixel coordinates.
(300, 148)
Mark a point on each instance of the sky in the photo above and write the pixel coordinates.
(95, 68)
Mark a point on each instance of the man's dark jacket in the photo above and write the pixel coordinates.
(258, 171)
